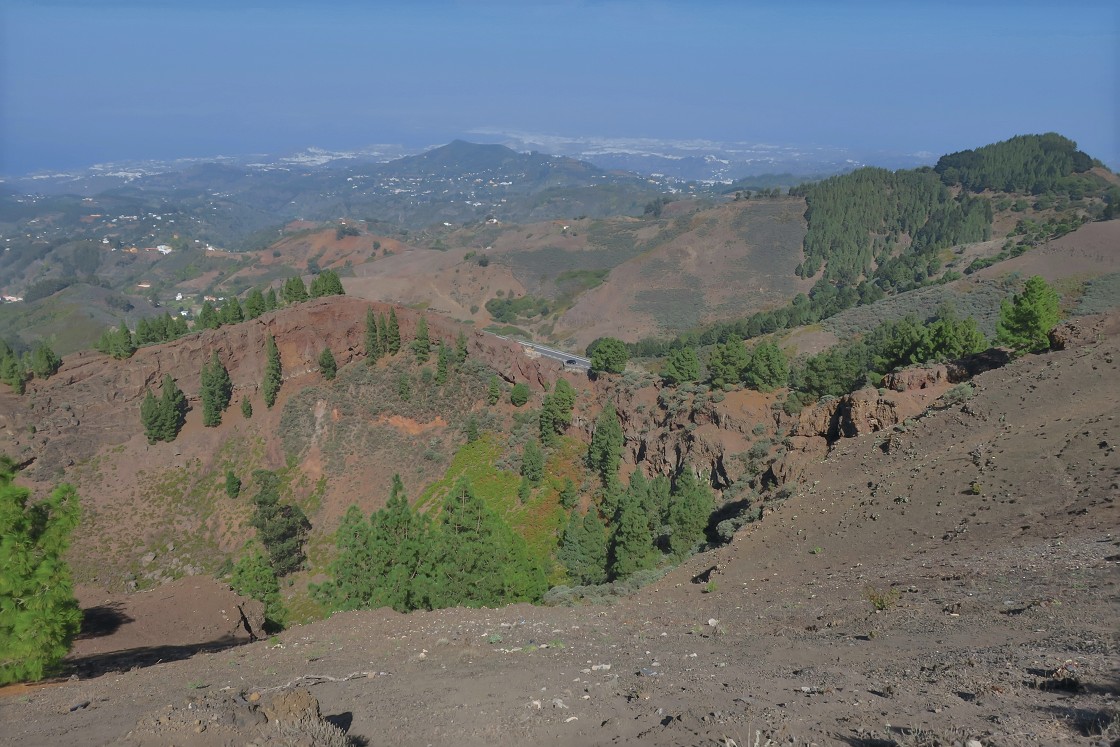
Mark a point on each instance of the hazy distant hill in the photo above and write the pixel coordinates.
(227, 203)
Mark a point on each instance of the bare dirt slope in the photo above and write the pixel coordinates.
(692, 265)
(724, 262)
(987, 532)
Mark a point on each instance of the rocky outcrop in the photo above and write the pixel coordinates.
(904, 394)
(1084, 330)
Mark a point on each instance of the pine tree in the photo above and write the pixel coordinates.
(1025, 321)
(690, 510)
(144, 333)
(326, 283)
(254, 304)
(471, 429)
(950, 338)
(271, 303)
(281, 528)
(393, 334)
(569, 495)
(208, 317)
(477, 559)
(422, 344)
(231, 312)
(519, 394)
(403, 538)
(460, 348)
(683, 366)
(605, 453)
(233, 484)
(172, 409)
(727, 362)
(382, 335)
(12, 373)
(273, 373)
(122, 345)
(327, 364)
(294, 290)
(609, 355)
(246, 408)
(443, 364)
(352, 576)
(642, 492)
(151, 417)
(254, 577)
(556, 412)
(383, 562)
(766, 368)
(44, 361)
(532, 463)
(583, 548)
(373, 338)
(39, 615)
(631, 547)
(493, 391)
(217, 390)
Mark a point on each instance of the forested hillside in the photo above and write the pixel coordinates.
(874, 232)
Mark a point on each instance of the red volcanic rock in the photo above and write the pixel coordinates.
(103, 395)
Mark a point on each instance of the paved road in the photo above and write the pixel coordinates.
(570, 359)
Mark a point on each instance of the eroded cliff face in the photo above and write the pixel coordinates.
(730, 437)
(94, 400)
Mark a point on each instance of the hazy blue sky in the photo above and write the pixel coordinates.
(82, 82)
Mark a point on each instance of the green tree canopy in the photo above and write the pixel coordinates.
(382, 562)
(556, 412)
(254, 577)
(326, 283)
(690, 509)
(217, 390)
(443, 363)
(1026, 320)
(422, 344)
(766, 368)
(254, 304)
(374, 339)
(208, 317)
(392, 334)
(118, 343)
(532, 462)
(608, 355)
(231, 311)
(583, 548)
(605, 452)
(519, 394)
(281, 528)
(44, 361)
(631, 546)
(683, 366)
(327, 364)
(39, 615)
(294, 290)
(12, 372)
(163, 418)
(478, 559)
(273, 374)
